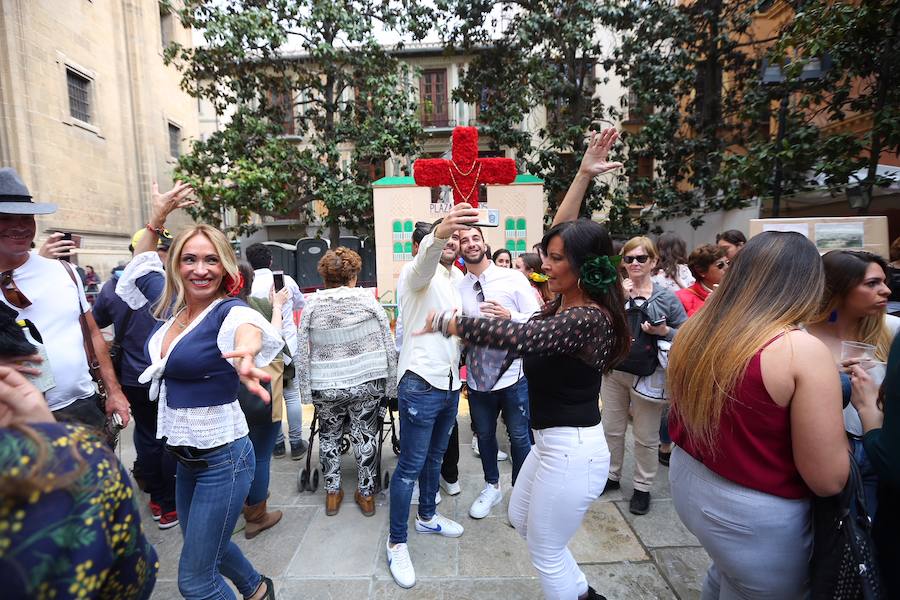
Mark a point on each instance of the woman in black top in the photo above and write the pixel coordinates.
(566, 348)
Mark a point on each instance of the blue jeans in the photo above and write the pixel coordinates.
(153, 464)
(664, 437)
(427, 416)
(209, 502)
(484, 408)
(294, 413)
(868, 474)
(263, 439)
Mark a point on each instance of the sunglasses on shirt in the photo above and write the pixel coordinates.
(642, 258)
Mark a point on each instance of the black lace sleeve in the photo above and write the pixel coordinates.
(582, 331)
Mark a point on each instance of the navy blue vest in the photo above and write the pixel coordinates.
(196, 375)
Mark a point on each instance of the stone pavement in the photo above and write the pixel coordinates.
(311, 556)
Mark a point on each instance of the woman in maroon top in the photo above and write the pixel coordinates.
(752, 449)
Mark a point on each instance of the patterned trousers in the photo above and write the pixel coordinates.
(357, 405)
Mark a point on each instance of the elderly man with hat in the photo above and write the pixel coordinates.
(50, 295)
(154, 468)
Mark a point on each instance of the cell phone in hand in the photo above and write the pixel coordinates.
(278, 279)
(66, 236)
(658, 322)
(488, 217)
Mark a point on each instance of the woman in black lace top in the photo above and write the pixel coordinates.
(566, 348)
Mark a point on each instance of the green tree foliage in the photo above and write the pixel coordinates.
(697, 105)
(309, 68)
(540, 54)
(862, 41)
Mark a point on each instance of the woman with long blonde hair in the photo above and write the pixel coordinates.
(756, 419)
(207, 343)
(854, 309)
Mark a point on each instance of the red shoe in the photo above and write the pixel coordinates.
(155, 510)
(168, 520)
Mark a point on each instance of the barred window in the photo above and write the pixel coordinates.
(174, 140)
(79, 95)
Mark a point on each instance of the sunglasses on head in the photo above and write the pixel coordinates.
(642, 258)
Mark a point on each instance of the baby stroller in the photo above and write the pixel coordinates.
(308, 477)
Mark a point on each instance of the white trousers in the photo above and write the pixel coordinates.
(564, 473)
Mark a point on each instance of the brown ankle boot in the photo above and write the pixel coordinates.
(333, 502)
(366, 504)
(258, 519)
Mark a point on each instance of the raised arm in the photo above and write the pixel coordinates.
(592, 164)
(565, 333)
(425, 263)
(161, 205)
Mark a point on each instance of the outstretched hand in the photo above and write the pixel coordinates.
(251, 376)
(164, 204)
(595, 157)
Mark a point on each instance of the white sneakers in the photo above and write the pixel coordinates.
(401, 565)
(398, 559)
(440, 525)
(489, 497)
(451, 488)
(501, 455)
(415, 495)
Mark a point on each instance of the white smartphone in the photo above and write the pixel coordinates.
(488, 217)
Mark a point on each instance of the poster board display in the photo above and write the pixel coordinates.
(834, 233)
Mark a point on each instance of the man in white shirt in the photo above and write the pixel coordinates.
(41, 291)
(260, 258)
(428, 392)
(490, 291)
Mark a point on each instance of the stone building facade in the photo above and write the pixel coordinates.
(90, 116)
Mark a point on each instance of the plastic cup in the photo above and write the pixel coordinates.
(857, 352)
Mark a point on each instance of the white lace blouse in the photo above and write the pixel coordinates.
(208, 426)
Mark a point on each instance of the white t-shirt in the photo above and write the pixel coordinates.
(54, 311)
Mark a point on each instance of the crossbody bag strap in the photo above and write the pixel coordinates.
(93, 363)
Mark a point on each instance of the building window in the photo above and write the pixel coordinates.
(166, 25)
(433, 102)
(283, 104)
(79, 95)
(174, 140)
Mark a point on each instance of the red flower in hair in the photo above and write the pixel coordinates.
(234, 285)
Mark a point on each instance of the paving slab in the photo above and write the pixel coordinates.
(661, 526)
(491, 548)
(685, 568)
(627, 581)
(339, 546)
(323, 589)
(605, 537)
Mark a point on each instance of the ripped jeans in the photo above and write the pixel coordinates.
(512, 402)
(427, 416)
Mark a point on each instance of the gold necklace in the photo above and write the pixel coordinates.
(472, 189)
(474, 164)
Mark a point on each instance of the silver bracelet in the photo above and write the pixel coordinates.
(445, 322)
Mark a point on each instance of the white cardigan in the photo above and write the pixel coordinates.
(344, 339)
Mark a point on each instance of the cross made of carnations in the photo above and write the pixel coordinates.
(464, 172)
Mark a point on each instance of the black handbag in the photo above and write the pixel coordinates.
(642, 358)
(843, 565)
(257, 412)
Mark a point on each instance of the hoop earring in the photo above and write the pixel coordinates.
(579, 284)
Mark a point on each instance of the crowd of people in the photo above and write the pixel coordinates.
(763, 375)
